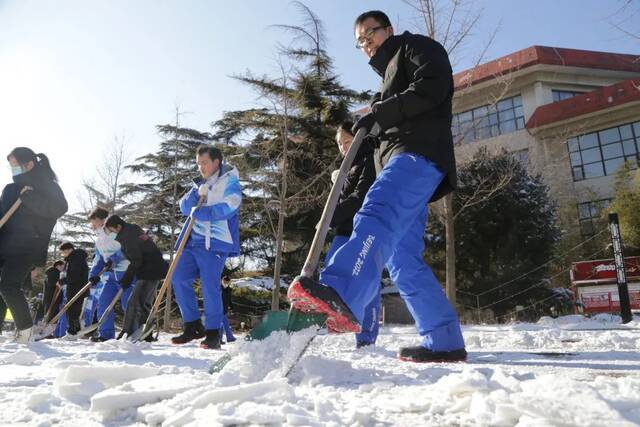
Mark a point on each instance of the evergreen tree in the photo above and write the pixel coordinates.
(304, 105)
(506, 237)
(168, 174)
(627, 205)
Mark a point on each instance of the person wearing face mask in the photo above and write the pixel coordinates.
(415, 164)
(109, 260)
(215, 236)
(24, 238)
(146, 266)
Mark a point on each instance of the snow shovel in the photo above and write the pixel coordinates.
(296, 320)
(10, 212)
(88, 329)
(147, 328)
(46, 329)
(54, 300)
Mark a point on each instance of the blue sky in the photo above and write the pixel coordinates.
(75, 73)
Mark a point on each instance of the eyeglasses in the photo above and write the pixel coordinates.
(368, 35)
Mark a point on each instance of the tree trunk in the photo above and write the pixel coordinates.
(450, 250)
(275, 292)
(173, 222)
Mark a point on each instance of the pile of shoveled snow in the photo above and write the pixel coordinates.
(566, 371)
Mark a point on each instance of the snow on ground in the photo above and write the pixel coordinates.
(556, 372)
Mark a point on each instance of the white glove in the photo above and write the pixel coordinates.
(203, 190)
(334, 176)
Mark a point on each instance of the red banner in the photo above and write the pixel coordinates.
(606, 302)
(603, 271)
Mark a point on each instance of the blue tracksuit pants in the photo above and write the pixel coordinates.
(61, 327)
(196, 261)
(370, 323)
(389, 230)
(91, 305)
(228, 332)
(109, 291)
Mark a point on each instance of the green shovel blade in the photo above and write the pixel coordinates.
(273, 321)
(290, 321)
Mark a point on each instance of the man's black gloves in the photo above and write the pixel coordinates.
(94, 280)
(368, 123)
(108, 265)
(372, 141)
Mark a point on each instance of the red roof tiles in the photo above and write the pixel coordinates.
(535, 55)
(618, 94)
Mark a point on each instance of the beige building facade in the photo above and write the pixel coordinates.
(572, 116)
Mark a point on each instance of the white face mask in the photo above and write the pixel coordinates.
(111, 234)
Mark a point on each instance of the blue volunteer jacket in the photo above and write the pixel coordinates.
(216, 224)
(107, 248)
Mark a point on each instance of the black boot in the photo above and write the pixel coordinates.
(212, 340)
(192, 330)
(421, 354)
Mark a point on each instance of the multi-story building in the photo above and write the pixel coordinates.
(572, 116)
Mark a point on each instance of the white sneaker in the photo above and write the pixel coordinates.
(23, 336)
(70, 337)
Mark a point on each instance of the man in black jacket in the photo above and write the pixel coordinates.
(416, 165)
(146, 266)
(76, 277)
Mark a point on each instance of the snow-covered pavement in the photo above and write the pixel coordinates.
(563, 372)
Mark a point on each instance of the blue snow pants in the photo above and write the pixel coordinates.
(108, 328)
(389, 229)
(371, 320)
(228, 332)
(196, 261)
(91, 304)
(61, 327)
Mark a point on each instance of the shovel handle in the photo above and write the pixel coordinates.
(10, 212)
(52, 303)
(313, 257)
(172, 267)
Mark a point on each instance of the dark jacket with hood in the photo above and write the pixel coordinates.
(145, 259)
(413, 107)
(76, 268)
(29, 230)
(359, 179)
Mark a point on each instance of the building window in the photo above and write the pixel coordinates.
(561, 95)
(488, 121)
(589, 214)
(602, 153)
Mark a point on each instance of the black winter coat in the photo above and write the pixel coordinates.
(52, 275)
(76, 268)
(359, 179)
(413, 106)
(29, 229)
(145, 259)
